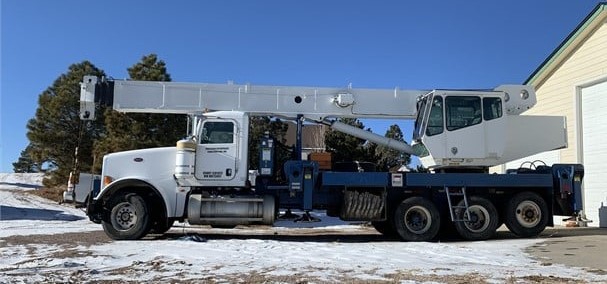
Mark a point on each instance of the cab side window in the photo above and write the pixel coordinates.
(463, 111)
(492, 108)
(217, 132)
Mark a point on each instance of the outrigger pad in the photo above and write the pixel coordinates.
(307, 218)
(289, 215)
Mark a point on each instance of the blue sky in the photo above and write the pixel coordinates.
(373, 44)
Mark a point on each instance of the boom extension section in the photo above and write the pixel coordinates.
(189, 98)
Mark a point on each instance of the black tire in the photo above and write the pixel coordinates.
(128, 219)
(385, 228)
(85, 204)
(416, 219)
(447, 231)
(482, 221)
(526, 214)
(160, 227)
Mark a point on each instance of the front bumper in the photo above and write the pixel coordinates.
(94, 210)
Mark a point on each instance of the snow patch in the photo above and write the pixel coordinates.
(25, 214)
(21, 180)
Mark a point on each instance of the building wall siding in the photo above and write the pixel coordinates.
(557, 95)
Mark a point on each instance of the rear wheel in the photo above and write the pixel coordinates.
(526, 214)
(417, 219)
(128, 218)
(385, 228)
(481, 218)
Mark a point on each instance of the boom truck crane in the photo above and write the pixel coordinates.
(458, 135)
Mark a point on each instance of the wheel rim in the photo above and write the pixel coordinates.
(528, 214)
(125, 217)
(478, 219)
(418, 219)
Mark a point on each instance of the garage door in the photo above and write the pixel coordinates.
(594, 147)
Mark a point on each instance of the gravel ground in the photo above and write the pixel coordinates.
(578, 247)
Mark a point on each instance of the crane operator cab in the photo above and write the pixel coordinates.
(480, 129)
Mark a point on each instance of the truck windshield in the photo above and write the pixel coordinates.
(435, 119)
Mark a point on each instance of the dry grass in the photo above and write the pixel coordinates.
(67, 240)
(52, 193)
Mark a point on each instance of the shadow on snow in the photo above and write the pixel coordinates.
(9, 213)
(21, 185)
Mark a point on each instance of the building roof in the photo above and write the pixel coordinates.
(569, 45)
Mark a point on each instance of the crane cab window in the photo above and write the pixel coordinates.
(492, 108)
(435, 119)
(217, 132)
(462, 111)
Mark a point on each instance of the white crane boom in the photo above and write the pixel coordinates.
(315, 103)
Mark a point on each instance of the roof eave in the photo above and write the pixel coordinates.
(570, 42)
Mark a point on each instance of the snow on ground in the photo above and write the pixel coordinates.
(26, 214)
(332, 252)
(21, 180)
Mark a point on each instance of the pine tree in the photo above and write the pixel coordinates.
(139, 130)
(56, 130)
(25, 163)
(391, 159)
(347, 147)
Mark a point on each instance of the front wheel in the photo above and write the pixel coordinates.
(479, 222)
(417, 219)
(161, 227)
(128, 219)
(526, 214)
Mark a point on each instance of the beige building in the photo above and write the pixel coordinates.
(313, 137)
(572, 82)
